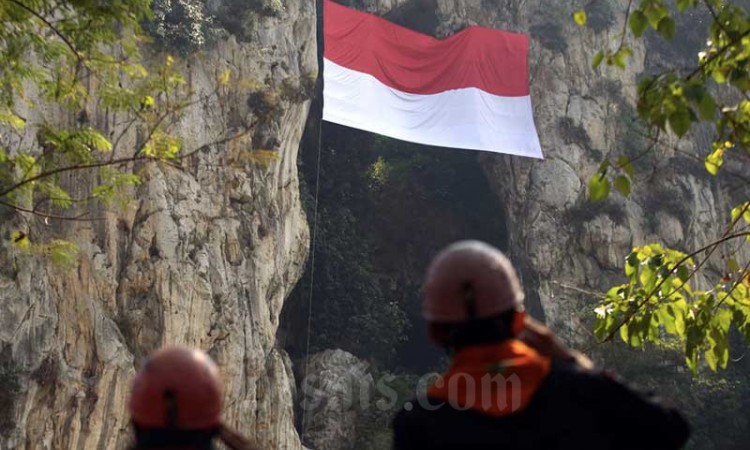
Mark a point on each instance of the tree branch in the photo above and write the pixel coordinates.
(50, 26)
(52, 216)
(71, 168)
(712, 246)
(715, 55)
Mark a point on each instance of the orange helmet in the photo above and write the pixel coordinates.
(470, 280)
(177, 387)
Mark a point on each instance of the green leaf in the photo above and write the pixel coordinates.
(717, 354)
(732, 265)
(723, 319)
(598, 187)
(648, 278)
(707, 107)
(711, 359)
(666, 28)
(12, 120)
(683, 5)
(655, 11)
(598, 58)
(715, 160)
(683, 273)
(56, 194)
(624, 335)
(25, 162)
(720, 74)
(667, 317)
(680, 122)
(679, 323)
(20, 240)
(619, 58)
(624, 163)
(580, 18)
(631, 264)
(638, 23)
(691, 360)
(743, 209)
(63, 253)
(148, 101)
(622, 184)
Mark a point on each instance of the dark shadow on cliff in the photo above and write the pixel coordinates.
(385, 207)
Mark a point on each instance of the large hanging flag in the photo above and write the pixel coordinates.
(469, 91)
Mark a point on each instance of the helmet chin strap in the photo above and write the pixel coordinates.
(519, 323)
(470, 301)
(171, 403)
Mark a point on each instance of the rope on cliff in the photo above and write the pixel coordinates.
(312, 275)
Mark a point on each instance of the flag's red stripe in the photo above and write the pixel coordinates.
(491, 60)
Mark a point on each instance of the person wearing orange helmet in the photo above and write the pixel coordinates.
(512, 384)
(176, 403)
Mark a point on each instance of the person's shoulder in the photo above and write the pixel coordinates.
(569, 371)
(583, 382)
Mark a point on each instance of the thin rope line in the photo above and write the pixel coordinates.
(312, 277)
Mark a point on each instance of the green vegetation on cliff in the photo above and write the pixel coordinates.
(79, 61)
(664, 298)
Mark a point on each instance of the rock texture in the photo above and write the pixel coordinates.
(557, 236)
(566, 246)
(205, 256)
(336, 387)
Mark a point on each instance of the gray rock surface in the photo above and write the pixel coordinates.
(205, 256)
(557, 236)
(335, 388)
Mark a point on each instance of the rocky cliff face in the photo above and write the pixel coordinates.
(566, 246)
(205, 256)
(209, 252)
(336, 386)
(557, 236)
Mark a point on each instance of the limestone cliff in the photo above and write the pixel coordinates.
(337, 387)
(566, 246)
(205, 255)
(557, 236)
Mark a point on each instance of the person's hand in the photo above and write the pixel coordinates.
(544, 341)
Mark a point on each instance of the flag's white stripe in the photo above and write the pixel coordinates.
(462, 118)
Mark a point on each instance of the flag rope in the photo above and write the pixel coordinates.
(312, 277)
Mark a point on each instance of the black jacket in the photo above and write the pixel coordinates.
(573, 409)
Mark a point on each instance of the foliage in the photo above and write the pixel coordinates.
(81, 58)
(188, 26)
(663, 296)
(713, 403)
(384, 207)
(350, 309)
(658, 299)
(270, 7)
(184, 26)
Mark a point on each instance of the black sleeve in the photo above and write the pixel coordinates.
(636, 420)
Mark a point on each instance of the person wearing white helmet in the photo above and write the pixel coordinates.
(512, 384)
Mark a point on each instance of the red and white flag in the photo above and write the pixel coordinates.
(469, 91)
